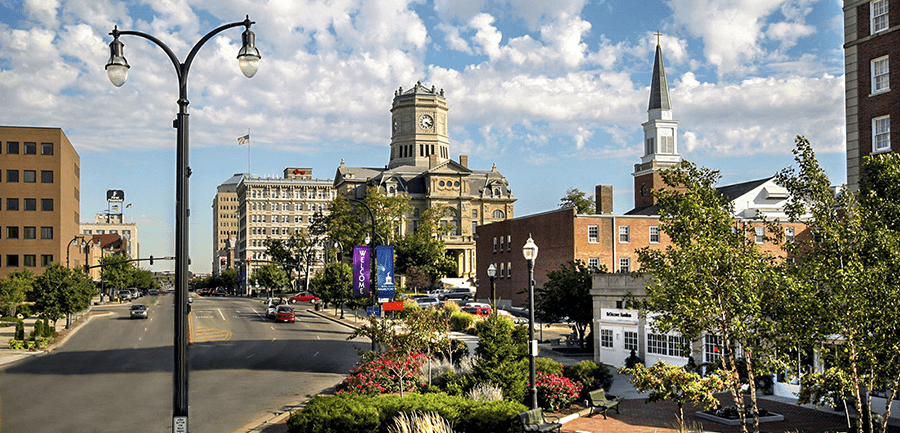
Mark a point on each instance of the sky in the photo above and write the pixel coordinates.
(552, 92)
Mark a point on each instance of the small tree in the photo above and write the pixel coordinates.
(575, 198)
(501, 352)
(272, 277)
(567, 296)
(674, 383)
(13, 289)
(20, 330)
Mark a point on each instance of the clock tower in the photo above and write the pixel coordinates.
(419, 127)
(660, 138)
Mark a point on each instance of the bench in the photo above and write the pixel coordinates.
(599, 400)
(534, 420)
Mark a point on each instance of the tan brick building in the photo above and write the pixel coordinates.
(40, 198)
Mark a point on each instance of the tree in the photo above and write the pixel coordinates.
(566, 296)
(575, 198)
(229, 278)
(674, 383)
(116, 272)
(142, 279)
(271, 277)
(299, 252)
(60, 291)
(417, 280)
(849, 270)
(333, 283)
(423, 248)
(713, 278)
(501, 351)
(13, 289)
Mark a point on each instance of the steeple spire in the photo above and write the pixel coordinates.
(659, 87)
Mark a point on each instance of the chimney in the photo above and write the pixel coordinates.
(464, 160)
(603, 195)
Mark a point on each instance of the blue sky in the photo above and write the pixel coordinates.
(553, 93)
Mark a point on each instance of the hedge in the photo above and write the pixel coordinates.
(355, 413)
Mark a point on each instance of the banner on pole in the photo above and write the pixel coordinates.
(362, 265)
(384, 255)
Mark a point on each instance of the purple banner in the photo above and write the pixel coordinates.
(384, 276)
(362, 267)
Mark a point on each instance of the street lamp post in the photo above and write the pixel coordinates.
(492, 273)
(530, 251)
(372, 289)
(70, 246)
(117, 69)
(340, 257)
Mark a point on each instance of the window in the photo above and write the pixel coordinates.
(12, 176)
(606, 338)
(880, 75)
(649, 148)
(12, 204)
(593, 234)
(46, 176)
(759, 235)
(654, 234)
(879, 15)
(881, 136)
(474, 227)
(498, 214)
(29, 232)
(31, 148)
(666, 143)
(495, 244)
(46, 259)
(666, 345)
(46, 232)
(711, 352)
(624, 236)
(474, 213)
(30, 204)
(12, 233)
(12, 260)
(29, 176)
(12, 147)
(29, 260)
(594, 263)
(502, 240)
(500, 274)
(46, 148)
(789, 235)
(47, 204)
(624, 264)
(508, 243)
(508, 269)
(631, 340)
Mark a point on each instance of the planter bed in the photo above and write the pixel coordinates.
(768, 417)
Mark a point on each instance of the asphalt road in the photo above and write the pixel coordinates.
(115, 373)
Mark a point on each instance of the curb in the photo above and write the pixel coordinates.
(333, 319)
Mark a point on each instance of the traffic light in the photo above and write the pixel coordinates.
(151, 260)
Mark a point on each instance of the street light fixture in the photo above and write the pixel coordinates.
(492, 272)
(117, 70)
(340, 257)
(530, 251)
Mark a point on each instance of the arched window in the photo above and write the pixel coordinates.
(498, 214)
(450, 222)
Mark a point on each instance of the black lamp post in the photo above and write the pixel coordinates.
(117, 69)
(530, 251)
(492, 272)
(340, 257)
(372, 289)
(70, 246)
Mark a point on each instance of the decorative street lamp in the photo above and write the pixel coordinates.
(530, 251)
(117, 69)
(492, 272)
(70, 246)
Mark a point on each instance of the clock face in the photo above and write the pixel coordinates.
(426, 122)
(644, 190)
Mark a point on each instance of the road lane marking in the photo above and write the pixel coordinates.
(220, 313)
(317, 354)
(317, 337)
(273, 339)
(251, 355)
(273, 328)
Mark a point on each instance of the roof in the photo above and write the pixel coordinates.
(659, 87)
(730, 192)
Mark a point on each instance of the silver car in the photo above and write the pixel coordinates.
(139, 311)
(428, 302)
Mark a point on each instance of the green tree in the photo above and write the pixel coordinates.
(567, 296)
(116, 272)
(300, 251)
(502, 350)
(672, 382)
(333, 283)
(13, 289)
(272, 277)
(423, 248)
(713, 279)
(229, 278)
(60, 292)
(142, 279)
(849, 270)
(417, 280)
(575, 198)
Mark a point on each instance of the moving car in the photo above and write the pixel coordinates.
(284, 313)
(304, 297)
(428, 302)
(139, 311)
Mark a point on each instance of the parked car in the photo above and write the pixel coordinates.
(139, 311)
(135, 293)
(304, 297)
(284, 313)
(125, 295)
(460, 294)
(220, 291)
(428, 302)
(477, 311)
(511, 316)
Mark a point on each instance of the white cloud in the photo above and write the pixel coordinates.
(42, 11)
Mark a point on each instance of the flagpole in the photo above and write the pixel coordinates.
(248, 154)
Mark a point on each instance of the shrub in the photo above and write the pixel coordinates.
(387, 372)
(501, 351)
(549, 366)
(485, 392)
(48, 331)
(20, 330)
(461, 321)
(590, 375)
(355, 413)
(455, 384)
(38, 329)
(17, 344)
(419, 422)
(555, 392)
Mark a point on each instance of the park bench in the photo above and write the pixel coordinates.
(534, 420)
(599, 400)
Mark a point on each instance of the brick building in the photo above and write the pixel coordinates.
(871, 46)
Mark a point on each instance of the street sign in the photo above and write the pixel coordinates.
(373, 311)
(179, 424)
(392, 306)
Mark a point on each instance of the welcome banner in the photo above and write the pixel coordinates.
(362, 265)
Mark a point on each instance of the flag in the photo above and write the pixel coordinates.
(384, 258)
(244, 140)
(128, 206)
(115, 207)
(361, 271)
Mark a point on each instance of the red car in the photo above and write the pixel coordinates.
(478, 311)
(284, 313)
(304, 297)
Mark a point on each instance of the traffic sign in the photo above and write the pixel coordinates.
(373, 311)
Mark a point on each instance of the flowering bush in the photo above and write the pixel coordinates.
(673, 382)
(387, 372)
(555, 392)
